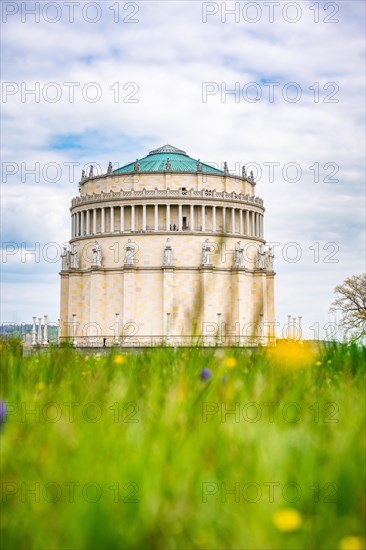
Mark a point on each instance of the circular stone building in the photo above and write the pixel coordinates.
(167, 250)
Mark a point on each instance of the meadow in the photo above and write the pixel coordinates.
(188, 448)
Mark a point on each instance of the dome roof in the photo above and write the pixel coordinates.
(156, 161)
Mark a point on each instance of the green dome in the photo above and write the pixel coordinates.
(156, 161)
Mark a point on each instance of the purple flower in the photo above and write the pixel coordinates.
(2, 413)
(205, 374)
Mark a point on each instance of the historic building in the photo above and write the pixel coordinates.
(167, 249)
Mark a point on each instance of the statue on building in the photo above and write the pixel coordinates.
(244, 172)
(136, 166)
(83, 175)
(65, 259)
(261, 258)
(97, 255)
(168, 252)
(109, 169)
(269, 259)
(91, 172)
(74, 258)
(251, 176)
(226, 169)
(199, 166)
(168, 165)
(238, 255)
(130, 248)
(206, 249)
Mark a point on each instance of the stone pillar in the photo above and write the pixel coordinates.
(168, 335)
(77, 225)
(116, 330)
(252, 224)
(34, 332)
(122, 219)
(214, 219)
(233, 220)
(112, 219)
(224, 219)
(72, 226)
(191, 221)
(156, 217)
(289, 331)
(74, 330)
(144, 217)
(94, 221)
(247, 227)
(203, 221)
(88, 222)
(82, 223)
(132, 217)
(300, 328)
(45, 331)
(180, 220)
(39, 336)
(168, 217)
(241, 227)
(102, 223)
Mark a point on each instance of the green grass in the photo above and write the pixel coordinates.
(169, 465)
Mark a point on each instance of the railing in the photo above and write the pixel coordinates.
(164, 193)
(137, 341)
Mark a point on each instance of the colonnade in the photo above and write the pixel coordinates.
(175, 217)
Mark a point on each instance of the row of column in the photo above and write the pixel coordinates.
(84, 222)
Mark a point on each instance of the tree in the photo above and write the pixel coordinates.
(351, 301)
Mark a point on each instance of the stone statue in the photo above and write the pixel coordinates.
(74, 258)
(269, 259)
(83, 176)
(136, 166)
(252, 176)
(130, 253)
(168, 252)
(91, 172)
(199, 166)
(261, 258)
(206, 249)
(244, 172)
(65, 259)
(109, 169)
(168, 166)
(238, 256)
(97, 255)
(226, 169)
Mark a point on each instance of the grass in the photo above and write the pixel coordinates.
(152, 458)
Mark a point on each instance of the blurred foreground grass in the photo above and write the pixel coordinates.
(184, 449)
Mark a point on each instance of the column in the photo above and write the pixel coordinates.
(132, 217)
(39, 336)
(224, 219)
(156, 217)
(77, 224)
(94, 221)
(88, 222)
(144, 217)
(180, 217)
(233, 220)
(168, 337)
(82, 223)
(168, 217)
(203, 218)
(247, 227)
(241, 230)
(45, 331)
(214, 219)
(252, 226)
(116, 330)
(102, 224)
(112, 219)
(122, 220)
(74, 329)
(72, 226)
(261, 218)
(191, 221)
(34, 332)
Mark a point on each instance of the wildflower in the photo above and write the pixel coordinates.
(291, 356)
(352, 543)
(205, 374)
(119, 359)
(318, 363)
(230, 362)
(287, 520)
(40, 386)
(2, 413)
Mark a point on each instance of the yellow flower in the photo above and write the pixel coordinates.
(318, 363)
(119, 359)
(230, 362)
(352, 543)
(287, 520)
(291, 356)
(40, 386)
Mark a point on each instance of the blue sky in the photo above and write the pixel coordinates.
(159, 65)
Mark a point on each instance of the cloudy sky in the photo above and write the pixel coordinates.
(277, 86)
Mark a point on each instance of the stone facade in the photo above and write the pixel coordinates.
(118, 285)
